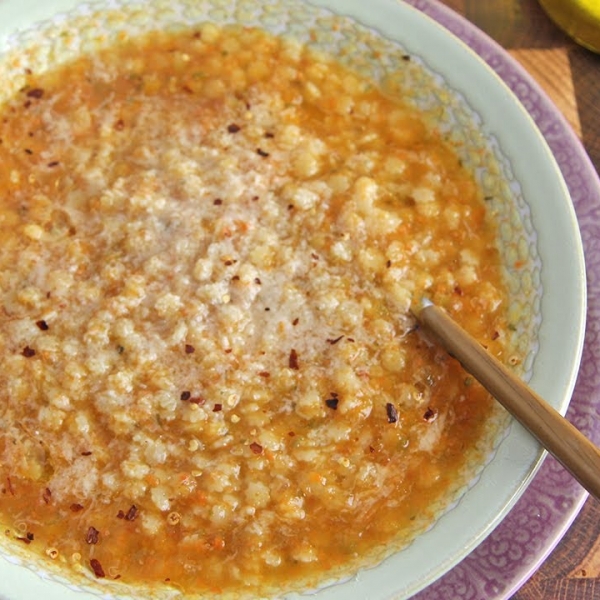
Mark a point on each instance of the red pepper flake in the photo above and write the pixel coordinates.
(332, 402)
(28, 352)
(76, 507)
(217, 407)
(53, 163)
(197, 400)
(291, 434)
(217, 201)
(265, 374)
(254, 198)
(97, 568)
(262, 153)
(46, 495)
(42, 325)
(30, 536)
(293, 360)
(120, 125)
(314, 256)
(92, 536)
(233, 128)
(335, 341)
(430, 415)
(35, 93)
(9, 486)
(28, 151)
(24, 539)
(392, 413)
(189, 349)
(256, 448)
(86, 453)
(388, 264)
(228, 351)
(269, 135)
(185, 396)
(371, 450)
(458, 290)
(131, 513)
(235, 278)
(495, 335)
(295, 321)
(257, 281)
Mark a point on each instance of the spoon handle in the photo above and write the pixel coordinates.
(557, 435)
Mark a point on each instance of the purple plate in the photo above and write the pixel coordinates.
(515, 549)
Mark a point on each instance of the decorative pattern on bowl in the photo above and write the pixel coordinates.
(508, 557)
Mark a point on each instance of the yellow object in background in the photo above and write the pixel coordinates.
(578, 18)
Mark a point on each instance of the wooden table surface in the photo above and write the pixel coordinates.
(571, 77)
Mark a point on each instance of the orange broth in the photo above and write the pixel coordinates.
(210, 378)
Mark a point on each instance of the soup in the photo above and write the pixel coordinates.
(211, 379)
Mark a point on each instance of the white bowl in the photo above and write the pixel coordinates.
(533, 205)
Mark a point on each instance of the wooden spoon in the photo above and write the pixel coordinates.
(557, 435)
